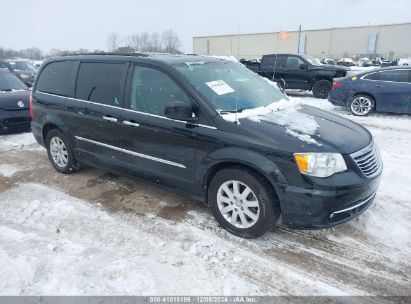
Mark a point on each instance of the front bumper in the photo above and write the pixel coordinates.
(318, 209)
(15, 122)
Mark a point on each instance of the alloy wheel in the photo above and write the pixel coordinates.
(58, 152)
(238, 204)
(361, 105)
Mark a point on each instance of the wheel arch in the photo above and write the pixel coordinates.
(362, 93)
(258, 164)
(51, 123)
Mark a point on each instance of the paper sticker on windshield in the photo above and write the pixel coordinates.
(220, 87)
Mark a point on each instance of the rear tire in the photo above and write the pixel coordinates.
(321, 88)
(60, 152)
(243, 202)
(361, 105)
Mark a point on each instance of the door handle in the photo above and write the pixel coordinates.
(110, 118)
(131, 123)
(378, 85)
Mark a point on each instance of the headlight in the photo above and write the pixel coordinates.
(24, 76)
(320, 164)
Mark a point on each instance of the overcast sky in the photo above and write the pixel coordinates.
(77, 24)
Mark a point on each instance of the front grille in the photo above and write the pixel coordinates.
(13, 125)
(368, 160)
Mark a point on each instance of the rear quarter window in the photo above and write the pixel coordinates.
(57, 78)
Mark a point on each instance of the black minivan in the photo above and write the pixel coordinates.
(208, 128)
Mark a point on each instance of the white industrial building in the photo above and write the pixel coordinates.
(390, 41)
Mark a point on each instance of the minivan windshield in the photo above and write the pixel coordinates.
(230, 86)
(23, 66)
(9, 82)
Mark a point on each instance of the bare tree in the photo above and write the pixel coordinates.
(113, 42)
(145, 42)
(155, 42)
(134, 41)
(171, 41)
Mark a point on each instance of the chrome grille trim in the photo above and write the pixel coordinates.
(368, 160)
(359, 204)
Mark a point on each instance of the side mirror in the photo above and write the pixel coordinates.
(303, 66)
(179, 110)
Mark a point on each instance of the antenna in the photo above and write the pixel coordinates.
(275, 65)
(236, 99)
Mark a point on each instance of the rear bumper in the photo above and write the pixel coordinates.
(338, 97)
(319, 209)
(36, 129)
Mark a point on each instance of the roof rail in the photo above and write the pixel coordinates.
(118, 54)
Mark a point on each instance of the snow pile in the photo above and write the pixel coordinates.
(8, 170)
(229, 58)
(285, 113)
(271, 83)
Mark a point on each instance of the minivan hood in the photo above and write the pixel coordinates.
(325, 132)
(14, 100)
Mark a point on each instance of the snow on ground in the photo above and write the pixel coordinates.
(60, 245)
(94, 234)
(8, 170)
(16, 141)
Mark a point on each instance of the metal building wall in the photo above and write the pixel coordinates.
(394, 40)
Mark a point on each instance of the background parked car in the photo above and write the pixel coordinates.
(381, 90)
(298, 71)
(14, 104)
(327, 61)
(346, 62)
(23, 69)
(364, 62)
(404, 62)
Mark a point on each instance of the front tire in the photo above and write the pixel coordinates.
(361, 105)
(321, 88)
(243, 202)
(60, 152)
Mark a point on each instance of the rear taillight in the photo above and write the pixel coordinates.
(31, 107)
(336, 85)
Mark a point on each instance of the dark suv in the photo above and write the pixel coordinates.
(292, 71)
(210, 129)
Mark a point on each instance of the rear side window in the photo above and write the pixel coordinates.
(373, 76)
(101, 82)
(56, 78)
(268, 60)
(392, 75)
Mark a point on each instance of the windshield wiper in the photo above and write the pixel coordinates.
(232, 111)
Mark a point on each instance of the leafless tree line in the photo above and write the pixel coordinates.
(31, 53)
(37, 54)
(166, 42)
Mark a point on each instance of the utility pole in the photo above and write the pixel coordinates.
(299, 39)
